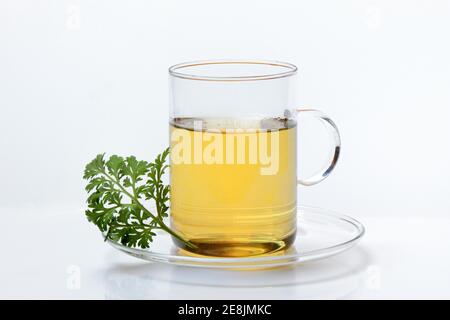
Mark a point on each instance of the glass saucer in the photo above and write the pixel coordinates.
(321, 233)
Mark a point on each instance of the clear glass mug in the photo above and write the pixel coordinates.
(233, 138)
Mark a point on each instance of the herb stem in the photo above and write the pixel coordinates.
(157, 219)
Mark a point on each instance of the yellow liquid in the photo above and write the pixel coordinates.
(231, 209)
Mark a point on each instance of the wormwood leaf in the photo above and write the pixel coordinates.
(115, 166)
(161, 192)
(115, 187)
(136, 169)
(95, 183)
(94, 167)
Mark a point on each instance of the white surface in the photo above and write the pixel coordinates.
(59, 255)
(380, 69)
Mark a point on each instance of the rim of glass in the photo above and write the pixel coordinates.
(176, 70)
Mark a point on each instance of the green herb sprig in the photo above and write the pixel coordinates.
(117, 187)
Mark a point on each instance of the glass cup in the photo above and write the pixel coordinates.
(233, 139)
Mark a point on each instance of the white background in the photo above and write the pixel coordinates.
(82, 77)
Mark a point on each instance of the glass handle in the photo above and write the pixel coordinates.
(334, 132)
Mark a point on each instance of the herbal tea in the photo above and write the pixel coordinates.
(234, 184)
